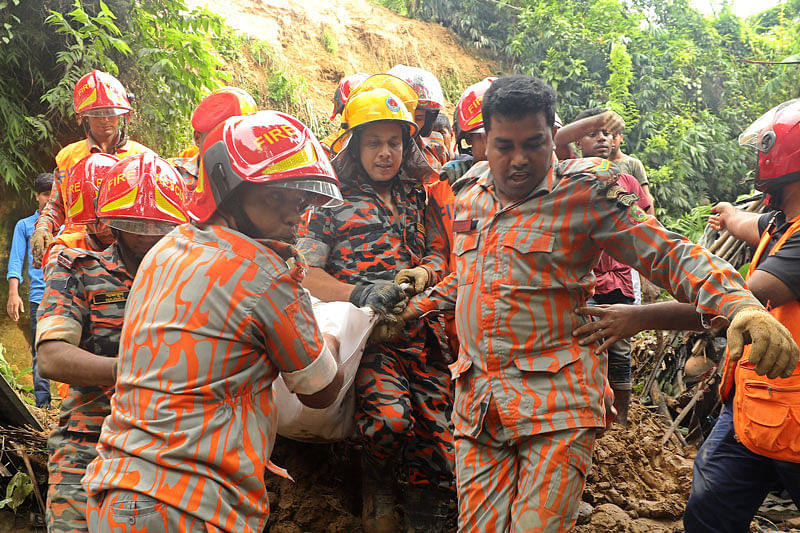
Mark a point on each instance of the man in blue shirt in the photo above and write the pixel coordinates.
(21, 250)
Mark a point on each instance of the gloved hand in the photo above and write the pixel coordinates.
(416, 277)
(40, 241)
(774, 353)
(387, 330)
(452, 170)
(383, 297)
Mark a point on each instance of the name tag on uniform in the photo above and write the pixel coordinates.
(111, 297)
(465, 225)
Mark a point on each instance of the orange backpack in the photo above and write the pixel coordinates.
(766, 412)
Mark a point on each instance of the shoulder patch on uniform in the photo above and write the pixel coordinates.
(66, 260)
(110, 297)
(627, 199)
(637, 214)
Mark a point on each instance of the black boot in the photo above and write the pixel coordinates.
(377, 497)
(425, 510)
(622, 403)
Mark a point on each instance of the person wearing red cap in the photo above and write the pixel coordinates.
(101, 104)
(215, 108)
(140, 199)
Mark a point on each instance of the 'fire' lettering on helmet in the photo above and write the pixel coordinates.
(474, 106)
(271, 136)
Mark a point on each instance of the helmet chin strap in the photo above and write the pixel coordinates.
(235, 208)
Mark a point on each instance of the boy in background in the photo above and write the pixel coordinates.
(20, 251)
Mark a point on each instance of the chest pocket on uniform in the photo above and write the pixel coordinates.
(525, 255)
(465, 248)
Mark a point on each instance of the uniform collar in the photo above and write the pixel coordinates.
(546, 186)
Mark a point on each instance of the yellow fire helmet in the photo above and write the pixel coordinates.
(371, 106)
(397, 86)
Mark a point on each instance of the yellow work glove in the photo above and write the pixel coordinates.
(387, 330)
(774, 353)
(40, 241)
(416, 277)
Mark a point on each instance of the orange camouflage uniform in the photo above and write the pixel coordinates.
(528, 398)
(403, 391)
(83, 304)
(213, 317)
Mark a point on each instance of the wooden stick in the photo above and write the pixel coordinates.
(35, 483)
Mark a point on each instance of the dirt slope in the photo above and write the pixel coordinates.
(364, 37)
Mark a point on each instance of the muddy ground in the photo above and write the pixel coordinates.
(635, 483)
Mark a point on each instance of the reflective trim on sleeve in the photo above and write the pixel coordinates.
(315, 377)
(58, 328)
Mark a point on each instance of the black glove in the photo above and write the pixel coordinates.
(452, 170)
(383, 297)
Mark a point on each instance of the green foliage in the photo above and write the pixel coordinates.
(329, 41)
(673, 74)
(12, 377)
(401, 7)
(691, 224)
(18, 488)
(618, 85)
(161, 50)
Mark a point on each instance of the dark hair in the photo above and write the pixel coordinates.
(591, 112)
(518, 96)
(441, 123)
(43, 183)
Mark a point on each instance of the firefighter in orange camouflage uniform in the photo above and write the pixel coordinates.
(355, 251)
(81, 318)
(529, 399)
(215, 313)
(101, 105)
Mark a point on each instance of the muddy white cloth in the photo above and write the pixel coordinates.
(352, 327)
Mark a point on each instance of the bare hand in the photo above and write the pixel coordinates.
(410, 312)
(14, 306)
(611, 121)
(615, 322)
(718, 221)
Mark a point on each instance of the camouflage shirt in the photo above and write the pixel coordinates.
(84, 304)
(361, 241)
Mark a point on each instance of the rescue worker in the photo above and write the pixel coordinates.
(214, 109)
(753, 445)
(81, 315)
(102, 106)
(470, 134)
(529, 399)
(430, 103)
(215, 312)
(354, 252)
(80, 192)
(340, 96)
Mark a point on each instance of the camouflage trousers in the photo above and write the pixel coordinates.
(532, 483)
(124, 511)
(70, 454)
(404, 402)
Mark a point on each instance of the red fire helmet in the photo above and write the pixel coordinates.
(83, 182)
(100, 94)
(265, 147)
(142, 194)
(220, 105)
(776, 136)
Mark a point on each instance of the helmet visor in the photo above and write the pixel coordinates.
(760, 134)
(325, 193)
(139, 227)
(104, 112)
